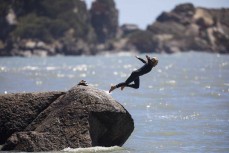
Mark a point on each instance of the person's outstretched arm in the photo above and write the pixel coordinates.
(148, 58)
(143, 61)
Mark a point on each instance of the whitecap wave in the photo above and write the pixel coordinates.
(93, 149)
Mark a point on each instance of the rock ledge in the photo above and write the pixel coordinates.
(81, 117)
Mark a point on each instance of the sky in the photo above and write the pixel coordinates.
(144, 12)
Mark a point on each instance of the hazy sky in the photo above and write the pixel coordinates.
(144, 12)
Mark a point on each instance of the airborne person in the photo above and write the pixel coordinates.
(134, 77)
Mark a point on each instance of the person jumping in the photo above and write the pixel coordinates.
(134, 77)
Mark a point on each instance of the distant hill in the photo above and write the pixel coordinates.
(50, 27)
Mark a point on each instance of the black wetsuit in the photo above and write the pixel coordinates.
(146, 68)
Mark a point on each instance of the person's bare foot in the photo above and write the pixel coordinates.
(122, 87)
(112, 88)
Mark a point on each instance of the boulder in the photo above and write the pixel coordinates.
(81, 117)
(17, 111)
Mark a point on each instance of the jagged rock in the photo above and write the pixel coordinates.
(190, 28)
(185, 10)
(104, 19)
(82, 117)
(129, 28)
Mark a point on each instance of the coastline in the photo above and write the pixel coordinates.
(186, 27)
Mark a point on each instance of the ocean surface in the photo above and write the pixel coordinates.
(182, 105)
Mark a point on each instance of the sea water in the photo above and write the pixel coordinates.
(182, 105)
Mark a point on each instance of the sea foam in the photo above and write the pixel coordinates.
(93, 149)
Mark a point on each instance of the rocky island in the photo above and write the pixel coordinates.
(47, 28)
(49, 121)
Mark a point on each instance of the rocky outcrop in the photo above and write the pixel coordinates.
(104, 19)
(185, 28)
(191, 28)
(44, 28)
(60, 27)
(81, 117)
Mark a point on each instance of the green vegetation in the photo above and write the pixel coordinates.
(47, 20)
(32, 26)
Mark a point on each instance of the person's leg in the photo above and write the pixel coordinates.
(122, 84)
(136, 84)
(130, 79)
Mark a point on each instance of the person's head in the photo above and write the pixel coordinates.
(155, 61)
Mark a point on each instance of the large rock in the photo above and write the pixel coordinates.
(82, 117)
(104, 19)
(191, 28)
(184, 28)
(17, 111)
